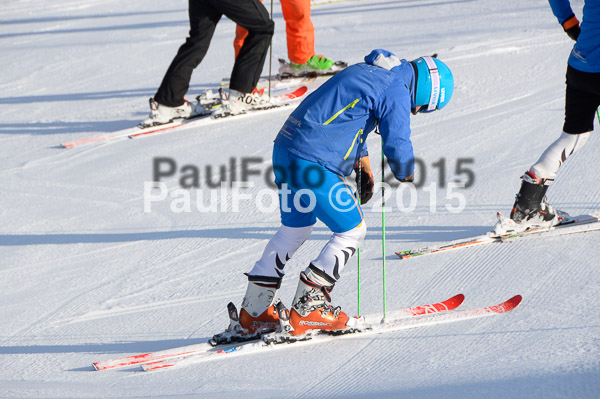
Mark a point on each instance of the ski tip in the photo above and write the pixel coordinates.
(456, 300)
(408, 254)
(73, 144)
(300, 92)
(508, 305)
(514, 302)
(96, 366)
(156, 366)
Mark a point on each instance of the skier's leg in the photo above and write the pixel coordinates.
(203, 21)
(341, 213)
(530, 200)
(253, 16)
(265, 277)
(238, 41)
(279, 250)
(582, 101)
(338, 250)
(299, 29)
(338, 208)
(240, 36)
(309, 307)
(296, 224)
(334, 204)
(556, 154)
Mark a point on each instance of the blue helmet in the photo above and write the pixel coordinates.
(435, 83)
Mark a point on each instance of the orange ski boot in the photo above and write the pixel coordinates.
(310, 311)
(266, 322)
(258, 315)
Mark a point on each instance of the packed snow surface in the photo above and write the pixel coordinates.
(86, 274)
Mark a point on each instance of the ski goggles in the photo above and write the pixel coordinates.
(435, 85)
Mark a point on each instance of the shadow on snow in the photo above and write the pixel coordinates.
(403, 233)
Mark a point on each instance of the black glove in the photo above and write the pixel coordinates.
(408, 179)
(366, 185)
(571, 26)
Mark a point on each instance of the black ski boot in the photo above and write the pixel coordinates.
(531, 209)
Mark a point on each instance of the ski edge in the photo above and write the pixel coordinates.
(442, 306)
(135, 360)
(120, 134)
(478, 240)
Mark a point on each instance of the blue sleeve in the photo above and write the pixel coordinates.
(365, 151)
(393, 113)
(561, 9)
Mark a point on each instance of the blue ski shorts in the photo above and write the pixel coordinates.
(309, 191)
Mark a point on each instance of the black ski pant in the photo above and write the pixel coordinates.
(204, 16)
(581, 101)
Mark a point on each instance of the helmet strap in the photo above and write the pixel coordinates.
(435, 83)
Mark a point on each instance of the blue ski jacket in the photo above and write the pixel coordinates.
(585, 56)
(331, 125)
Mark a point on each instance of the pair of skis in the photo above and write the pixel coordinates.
(577, 224)
(292, 85)
(420, 316)
(280, 101)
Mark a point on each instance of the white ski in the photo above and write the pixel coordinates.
(577, 224)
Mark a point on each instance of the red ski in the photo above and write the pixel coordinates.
(448, 304)
(254, 347)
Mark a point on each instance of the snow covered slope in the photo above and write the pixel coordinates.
(86, 274)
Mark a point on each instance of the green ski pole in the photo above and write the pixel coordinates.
(358, 250)
(383, 225)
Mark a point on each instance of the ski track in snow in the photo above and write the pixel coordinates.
(86, 274)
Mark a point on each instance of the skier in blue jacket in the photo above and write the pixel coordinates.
(531, 208)
(317, 147)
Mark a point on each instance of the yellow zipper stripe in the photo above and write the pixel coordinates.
(353, 142)
(351, 105)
